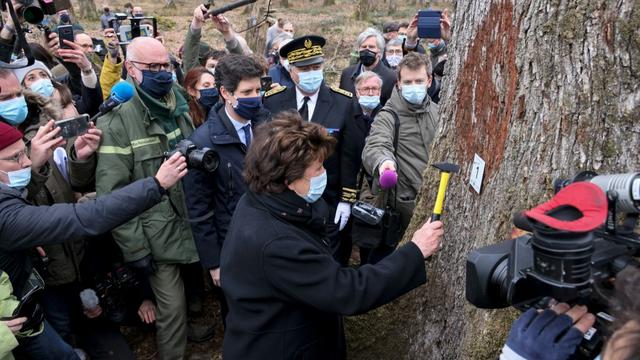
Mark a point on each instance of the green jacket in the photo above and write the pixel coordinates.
(132, 148)
(191, 51)
(8, 303)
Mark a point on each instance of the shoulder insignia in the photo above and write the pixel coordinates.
(275, 91)
(341, 91)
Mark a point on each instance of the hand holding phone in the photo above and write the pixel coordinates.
(72, 127)
(65, 32)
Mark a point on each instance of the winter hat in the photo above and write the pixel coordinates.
(22, 72)
(8, 135)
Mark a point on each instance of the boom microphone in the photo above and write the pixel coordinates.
(120, 93)
(229, 7)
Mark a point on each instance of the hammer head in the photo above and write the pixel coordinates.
(447, 167)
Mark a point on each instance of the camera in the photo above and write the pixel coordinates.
(113, 291)
(367, 213)
(33, 11)
(573, 266)
(138, 26)
(201, 159)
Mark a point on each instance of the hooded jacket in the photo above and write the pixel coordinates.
(418, 124)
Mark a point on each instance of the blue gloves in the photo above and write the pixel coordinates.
(541, 336)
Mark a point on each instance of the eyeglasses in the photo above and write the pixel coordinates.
(18, 158)
(153, 67)
(369, 90)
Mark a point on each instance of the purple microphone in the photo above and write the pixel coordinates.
(388, 179)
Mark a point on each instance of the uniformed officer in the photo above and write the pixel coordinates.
(330, 107)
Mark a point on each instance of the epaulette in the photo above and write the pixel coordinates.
(341, 91)
(277, 90)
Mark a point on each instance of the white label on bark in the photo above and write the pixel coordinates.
(477, 172)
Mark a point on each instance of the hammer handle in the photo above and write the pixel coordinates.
(435, 217)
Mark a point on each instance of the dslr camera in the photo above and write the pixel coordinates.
(33, 11)
(572, 266)
(201, 159)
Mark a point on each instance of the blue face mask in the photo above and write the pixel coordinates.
(317, 185)
(310, 81)
(414, 94)
(402, 37)
(394, 60)
(209, 97)
(369, 102)
(436, 47)
(14, 111)
(156, 84)
(43, 87)
(248, 107)
(19, 179)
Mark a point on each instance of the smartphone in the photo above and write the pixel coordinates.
(265, 83)
(74, 126)
(429, 24)
(65, 32)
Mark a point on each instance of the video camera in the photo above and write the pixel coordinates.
(138, 26)
(201, 159)
(577, 267)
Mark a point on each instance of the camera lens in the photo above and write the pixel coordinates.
(32, 13)
(205, 159)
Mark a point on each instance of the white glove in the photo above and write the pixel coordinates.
(342, 214)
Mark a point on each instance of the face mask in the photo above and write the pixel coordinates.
(367, 57)
(157, 84)
(208, 97)
(43, 87)
(212, 71)
(247, 108)
(414, 94)
(369, 102)
(310, 81)
(285, 64)
(19, 179)
(402, 37)
(317, 185)
(394, 60)
(436, 47)
(14, 111)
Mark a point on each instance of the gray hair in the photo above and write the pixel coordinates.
(395, 42)
(366, 75)
(280, 38)
(369, 32)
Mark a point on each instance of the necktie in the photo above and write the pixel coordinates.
(304, 109)
(247, 134)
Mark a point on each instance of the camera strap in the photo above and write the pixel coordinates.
(21, 42)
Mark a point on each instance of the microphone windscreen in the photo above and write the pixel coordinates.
(122, 92)
(388, 179)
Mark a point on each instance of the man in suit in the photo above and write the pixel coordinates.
(330, 107)
(370, 45)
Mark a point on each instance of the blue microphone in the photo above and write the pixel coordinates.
(120, 93)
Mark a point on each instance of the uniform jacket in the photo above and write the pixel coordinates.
(215, 195)
(286, 293)
(24, 226)
(334, 111)
(389, 78)
(417, 130)
(132, 148)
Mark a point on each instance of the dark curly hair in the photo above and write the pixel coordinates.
(232, 69)
(282, 150)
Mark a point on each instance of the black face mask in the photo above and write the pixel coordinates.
(157, 84)
(208, 97)
(367, 57)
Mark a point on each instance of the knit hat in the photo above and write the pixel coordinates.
(22, 72)
(8, 135)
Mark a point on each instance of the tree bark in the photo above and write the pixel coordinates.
(540, 89)
(87, 9)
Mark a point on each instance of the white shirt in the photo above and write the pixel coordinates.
(239, 128)
(311, 104)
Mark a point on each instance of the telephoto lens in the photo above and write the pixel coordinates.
(627, 187)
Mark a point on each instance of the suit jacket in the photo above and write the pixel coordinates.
(334, 111)
(389, 78)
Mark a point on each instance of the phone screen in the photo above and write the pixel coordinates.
(73, 127)
(429, 24)
(65, 32)
(265, 83)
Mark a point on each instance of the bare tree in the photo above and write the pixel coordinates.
(363, 9)
(393, 7)
(539, 89)
(87, 9)
(284, 3)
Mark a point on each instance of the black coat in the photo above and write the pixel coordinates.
(23, 226)
(334, 111)
(389, 79)
(285, 291)
(212, 197)
(281, 76)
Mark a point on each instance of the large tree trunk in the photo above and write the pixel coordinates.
(540, 89)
